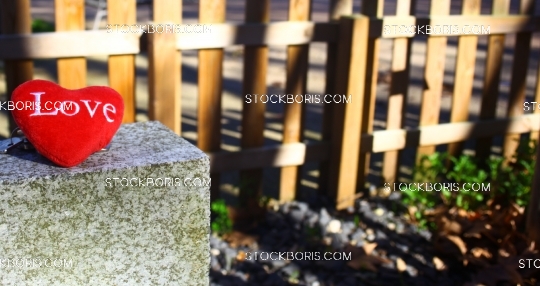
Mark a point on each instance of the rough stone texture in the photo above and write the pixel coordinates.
(108, 235)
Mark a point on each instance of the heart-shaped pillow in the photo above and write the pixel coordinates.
(66, 126)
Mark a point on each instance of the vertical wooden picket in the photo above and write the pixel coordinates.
(69, 16)
(371, 9)
(255, 69)
(492, 79)
(464, 74)
(522, 51)
(353, 51)
(122, 67)
(337, 9)
(210, 88)
(15, 17)
(297, 68)
(434, 76)
(164, 70)
(398, 91)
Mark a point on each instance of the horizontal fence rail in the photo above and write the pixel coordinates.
(67, 44)
(296, 154)
(92, 43)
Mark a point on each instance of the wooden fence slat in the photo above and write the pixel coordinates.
(210, 89)
(283, 155)
(518, 84)
(398, 92)
(434, 76)
(259, 34)
(535, 135)
(69, 16)
(122, 67)
(67, 45)
(371, 9)
(296, 154)
(255, 69)
(429, 135)
(293, 116)
(348, 118)
(164, 70)
(15, 17)
(337, 9)
(464, 74)
(492, 78)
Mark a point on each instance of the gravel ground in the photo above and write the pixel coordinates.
(403, 253)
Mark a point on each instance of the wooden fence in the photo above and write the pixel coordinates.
(352, 68)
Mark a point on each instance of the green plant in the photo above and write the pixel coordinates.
(356, 220)
(221, 223)
(40, 26)
(507, 182)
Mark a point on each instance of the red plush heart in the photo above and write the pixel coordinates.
(67, 126)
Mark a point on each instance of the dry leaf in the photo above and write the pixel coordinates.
(477, 229)
(479, 252)
(241, 256)
(449, 226)
(439, 264)
(401, 266)
(458, 242)
(369, 247)
(236, 239)
(362, 260)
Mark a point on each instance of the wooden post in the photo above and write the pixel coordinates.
(371, 9)
(210, 89)
(293, 119)
(533, 213)
(434, 76)
(69, 16)
(122, 67)
(255, 68)
(398, 91)
(492, 78)
(16, 20)
(348, 118)
(522, 51)
(464, 74)
(337, 9)
(164, 70)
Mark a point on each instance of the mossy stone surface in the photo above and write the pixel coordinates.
(107, 233)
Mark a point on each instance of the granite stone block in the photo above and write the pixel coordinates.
(79, 226)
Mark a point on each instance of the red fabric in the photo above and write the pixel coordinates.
(67, 135)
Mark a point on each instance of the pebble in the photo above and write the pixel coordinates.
(324, 218)
(358, 234)
(285, 229)
(334, 226)
(379, 212)
(381, 234)
(215, 252)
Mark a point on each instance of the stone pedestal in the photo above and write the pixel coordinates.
(81, 226)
